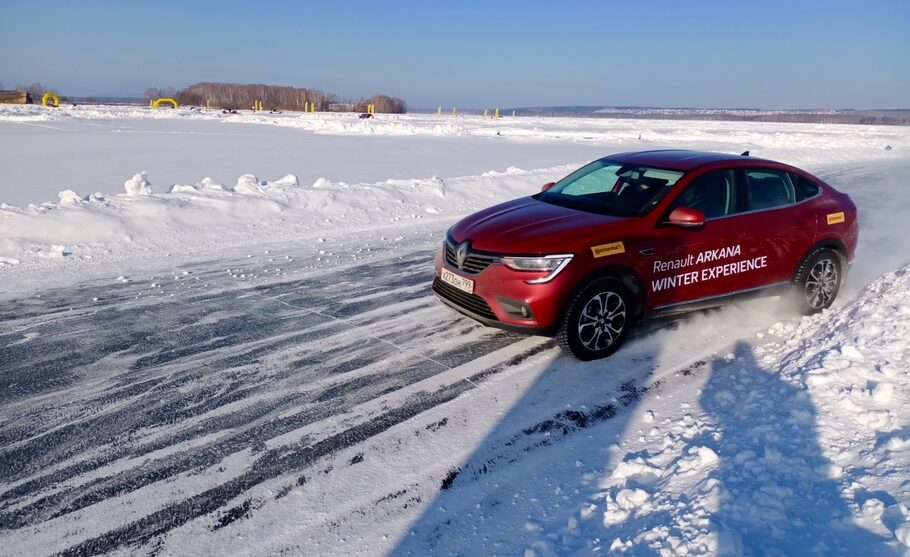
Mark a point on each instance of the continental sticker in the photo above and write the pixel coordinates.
(834, 218)
(604, 250)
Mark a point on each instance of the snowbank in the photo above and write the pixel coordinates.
(800, 446)
(188, 218)
(137, 185)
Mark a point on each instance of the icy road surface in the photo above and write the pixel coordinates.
(132, 410)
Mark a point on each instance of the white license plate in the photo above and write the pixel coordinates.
(458, 281)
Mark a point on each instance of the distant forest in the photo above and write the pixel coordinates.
(866, 117)
(243, 95)
(893, 117)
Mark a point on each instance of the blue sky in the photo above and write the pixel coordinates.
(768, 54)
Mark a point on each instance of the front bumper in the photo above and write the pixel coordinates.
(498, 289)
(475, 307)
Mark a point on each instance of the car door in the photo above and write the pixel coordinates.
(778, 228)
(690, 264)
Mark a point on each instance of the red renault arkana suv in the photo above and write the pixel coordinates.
(645, 234)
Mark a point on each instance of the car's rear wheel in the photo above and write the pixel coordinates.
(818, 281)
(597, 321)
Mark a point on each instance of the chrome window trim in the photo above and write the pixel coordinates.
(746, 169)
(768, 209)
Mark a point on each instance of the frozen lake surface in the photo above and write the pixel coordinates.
(255, 364)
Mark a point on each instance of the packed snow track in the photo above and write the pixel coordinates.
(170, 400)
(104, 400)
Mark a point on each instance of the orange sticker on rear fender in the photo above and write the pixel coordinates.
(604, 250)
(834, 218)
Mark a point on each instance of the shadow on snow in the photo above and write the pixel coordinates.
(769, 493)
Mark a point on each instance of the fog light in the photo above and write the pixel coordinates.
(515, 308)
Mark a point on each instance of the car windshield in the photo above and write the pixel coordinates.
(612, 188)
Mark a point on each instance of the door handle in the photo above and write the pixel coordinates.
(646, 251)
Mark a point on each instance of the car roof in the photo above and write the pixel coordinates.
(678, 159)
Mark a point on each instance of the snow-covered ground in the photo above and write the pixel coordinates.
(236, 352)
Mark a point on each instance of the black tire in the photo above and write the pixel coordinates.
(818, 281)
(597, 320)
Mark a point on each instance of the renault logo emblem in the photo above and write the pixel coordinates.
(461, 253)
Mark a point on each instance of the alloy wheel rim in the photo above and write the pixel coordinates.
(821, 284)
(602, 320)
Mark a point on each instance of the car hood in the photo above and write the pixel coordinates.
(529, 226)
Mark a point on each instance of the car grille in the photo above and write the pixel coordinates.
(474, 263)
(471, 302)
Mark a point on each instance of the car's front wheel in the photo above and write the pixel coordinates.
(597, 321)
(818, 281)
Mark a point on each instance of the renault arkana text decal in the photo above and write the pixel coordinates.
(703, 257)
(707, 273)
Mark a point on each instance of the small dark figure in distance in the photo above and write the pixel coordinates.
(365, 116)
(887, 147)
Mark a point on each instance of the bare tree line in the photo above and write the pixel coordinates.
(243, 95)
(387, 104)
(35, 90)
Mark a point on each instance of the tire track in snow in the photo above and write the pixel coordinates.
(280, 462)
(110, 401)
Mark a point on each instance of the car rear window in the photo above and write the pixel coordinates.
(805, 188)
(766, 189)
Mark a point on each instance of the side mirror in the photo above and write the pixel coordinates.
(547, 186)
(686, 217)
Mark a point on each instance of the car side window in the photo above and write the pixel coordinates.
(713, 194)
(805, 188)
(766, 189)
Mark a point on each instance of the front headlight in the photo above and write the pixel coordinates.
(552, 264)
